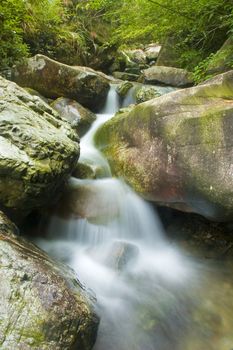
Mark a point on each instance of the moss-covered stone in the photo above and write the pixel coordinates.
(177, 149)
(222, 61)
(84, 171)
(123, 88)
(146, 93)
(54, 79)
(43, 305)
(126, 76)
(38, 150)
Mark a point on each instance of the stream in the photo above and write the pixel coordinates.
(151, 295)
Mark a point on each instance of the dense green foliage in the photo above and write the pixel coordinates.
(45, 26)
(11, 41)
(70, 29)
(198, 26)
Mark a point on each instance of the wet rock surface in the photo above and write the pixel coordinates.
(43, 305)
(54, 79)
(87, 200)
(38, 150)
(79, 117)
(122, 254)
(177, 149)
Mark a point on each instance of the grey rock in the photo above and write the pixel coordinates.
(168, 76)
(42, 304)
(79, 117)
(38, 150)
(54, 79)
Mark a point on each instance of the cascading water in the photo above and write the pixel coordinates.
(146, 289)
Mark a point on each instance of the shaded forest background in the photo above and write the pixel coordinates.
(80, 31)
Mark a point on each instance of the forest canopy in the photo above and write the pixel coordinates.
(67, 30)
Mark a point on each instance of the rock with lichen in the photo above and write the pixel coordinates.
(53, 79)
(146, 93)
(38, 150)
(177, 149)
(43, 305)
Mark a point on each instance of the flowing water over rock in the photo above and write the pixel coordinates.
(151, 296)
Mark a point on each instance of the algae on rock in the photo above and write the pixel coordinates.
(38, 150)
(54, 79)
(43, 305)
(177, 149)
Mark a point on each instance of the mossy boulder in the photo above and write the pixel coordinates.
(177, 149)
(38, 150)
(126, 76)
(123, 88)
(43, 305)
(84, 171)
(146, 93)
(169, 56)
(222, 61)
(80, 118)
(53, 79)
(89, 170)
(167, 76)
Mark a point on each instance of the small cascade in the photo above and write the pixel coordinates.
(145, 287)
(89, 153)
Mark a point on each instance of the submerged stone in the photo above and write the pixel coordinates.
(122, 255)
(87, 200)
(43, 305)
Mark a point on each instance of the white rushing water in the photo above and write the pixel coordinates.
(119, 251)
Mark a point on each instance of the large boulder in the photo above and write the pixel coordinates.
(43, 305)
(38, 150)
(177, 149)
(168, 76)
(54, 79)
(80, 118)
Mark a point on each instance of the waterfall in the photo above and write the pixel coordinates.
(145, 287)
